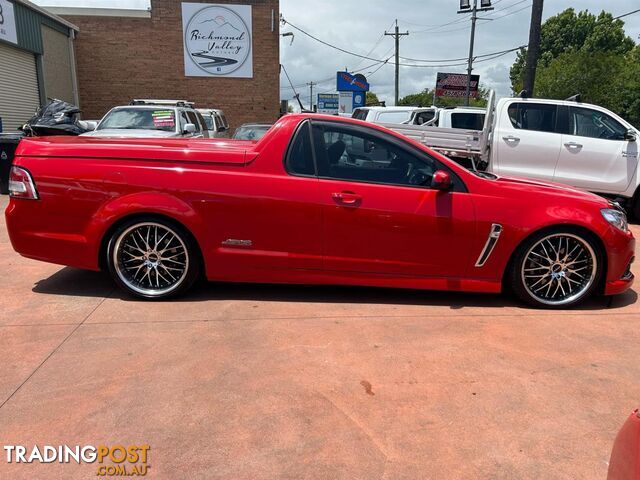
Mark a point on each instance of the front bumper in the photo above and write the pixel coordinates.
(620, 249)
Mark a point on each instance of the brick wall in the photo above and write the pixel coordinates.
(121, 58)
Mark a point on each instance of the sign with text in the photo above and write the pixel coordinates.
(328, 103)
(7, 22)
(217, 40)
(348, 82)
(455, 85)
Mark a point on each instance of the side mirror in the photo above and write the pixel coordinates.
(630, 135)
(189, 128)
(441, 181)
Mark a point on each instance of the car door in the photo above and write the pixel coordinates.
(595, 155)
(528, 140)
(380, 215)
(272, 219)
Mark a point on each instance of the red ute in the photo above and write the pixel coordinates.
(319, 200)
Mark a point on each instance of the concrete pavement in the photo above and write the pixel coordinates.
(264, 382)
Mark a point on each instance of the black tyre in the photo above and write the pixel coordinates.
(152, 258)
(557, 268)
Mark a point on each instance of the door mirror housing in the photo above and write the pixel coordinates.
(630, 135)
(189, 128)
(441, 181)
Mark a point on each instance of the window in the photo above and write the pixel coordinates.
(586, 122)
(469, 121)
(353, 154)
(299, 156)
(192, 119)
(540, 117)
(139, 118)
(424, 117)
(209, 121)
(394, 117)
(201, 120)
(360, 114)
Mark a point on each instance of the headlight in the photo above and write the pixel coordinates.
(616, 218)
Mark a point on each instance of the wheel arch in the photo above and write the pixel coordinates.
(147, 205)
(549, 228)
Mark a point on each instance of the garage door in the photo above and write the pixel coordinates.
(19, 97)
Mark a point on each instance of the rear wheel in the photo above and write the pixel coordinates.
(152, 258)
(556, 269)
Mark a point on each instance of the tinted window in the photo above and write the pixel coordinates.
(348, 154)
(424, 117)
(359, 114)
(470, 121)
(585, 122)
(208, 119)
(192, 119)
(300, 156)
(201, 120)
(533, 116)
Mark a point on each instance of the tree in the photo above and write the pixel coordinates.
(588, 55)
(372, 99)
(568, 32)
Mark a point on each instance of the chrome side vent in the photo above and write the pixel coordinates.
(494, 235)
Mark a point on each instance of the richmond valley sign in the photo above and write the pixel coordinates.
(217, 40)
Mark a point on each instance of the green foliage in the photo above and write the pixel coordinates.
(372, 99)
(425, 99)
(587, 54)
(568, 32)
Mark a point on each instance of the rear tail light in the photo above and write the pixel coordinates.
(21, 184)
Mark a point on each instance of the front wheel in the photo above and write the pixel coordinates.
(152, 258)
(556, 269)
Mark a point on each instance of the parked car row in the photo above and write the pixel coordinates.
(565, 141)
(161, 118)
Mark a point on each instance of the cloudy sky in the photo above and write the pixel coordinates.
(436, 32)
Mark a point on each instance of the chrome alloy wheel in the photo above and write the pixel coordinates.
(151, 259)
(559, 269)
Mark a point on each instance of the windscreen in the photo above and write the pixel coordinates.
(140, 118)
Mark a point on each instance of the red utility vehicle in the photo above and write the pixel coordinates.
(318, 200)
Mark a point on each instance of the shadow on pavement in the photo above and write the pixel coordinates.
(73, 282)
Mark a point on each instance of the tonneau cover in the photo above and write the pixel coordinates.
(199, 150)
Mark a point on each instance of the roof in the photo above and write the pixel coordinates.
(101, 12)
(389, 109)
(48, 12)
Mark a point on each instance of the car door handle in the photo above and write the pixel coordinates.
(347, 198)
(511, 139)
(573, 145)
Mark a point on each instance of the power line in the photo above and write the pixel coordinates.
(377, 60)
(626, 14)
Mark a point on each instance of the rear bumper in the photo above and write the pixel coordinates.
(40, 237)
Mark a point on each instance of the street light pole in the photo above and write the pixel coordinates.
(486, 5)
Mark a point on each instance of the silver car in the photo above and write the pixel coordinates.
(216, 122)
(152, 118)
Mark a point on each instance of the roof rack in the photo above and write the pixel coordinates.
(174, 103)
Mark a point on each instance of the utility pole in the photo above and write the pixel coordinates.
(485, 5)
(311, 84)
(533, 52)
(397, 36)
